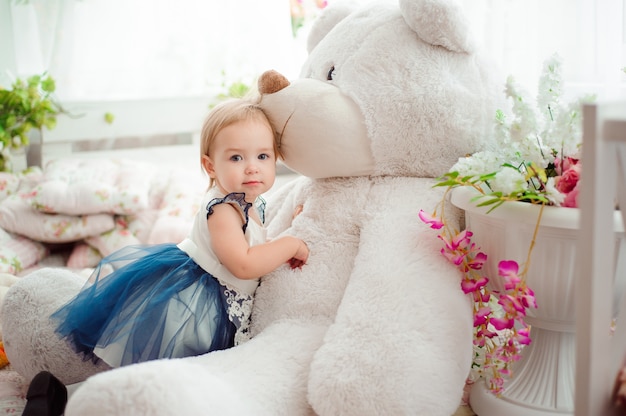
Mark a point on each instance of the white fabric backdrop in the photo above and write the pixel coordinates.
(588, 34)
(121, 49)
(129, 49)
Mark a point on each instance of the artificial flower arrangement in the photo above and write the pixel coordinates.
(538, 162)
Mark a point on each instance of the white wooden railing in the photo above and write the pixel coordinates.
(139, 123)
(600, 354)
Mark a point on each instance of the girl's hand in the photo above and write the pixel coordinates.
(295, 263)
(301, 256)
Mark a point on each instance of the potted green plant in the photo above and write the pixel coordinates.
(28, 105)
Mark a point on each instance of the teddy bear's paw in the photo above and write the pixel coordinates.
(378, 386)
(161, 387)
(30, 342)
(381, 364)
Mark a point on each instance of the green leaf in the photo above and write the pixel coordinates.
(445, 183)
(487, 177)
(48, 84)
(10, 121)
(50, 123)
(495, 206)
(489, 202)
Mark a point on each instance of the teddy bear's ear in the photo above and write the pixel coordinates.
(329, 18)
(439, 22)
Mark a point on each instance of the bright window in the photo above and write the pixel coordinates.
(106, 51)
(121, 49)
(588, 34)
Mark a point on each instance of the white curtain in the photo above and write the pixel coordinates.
(587, 34)
(127, 49)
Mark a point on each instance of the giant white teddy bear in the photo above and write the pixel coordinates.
(392, 94)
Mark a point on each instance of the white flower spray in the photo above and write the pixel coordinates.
(533, 134)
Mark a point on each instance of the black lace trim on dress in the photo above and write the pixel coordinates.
(240, 199)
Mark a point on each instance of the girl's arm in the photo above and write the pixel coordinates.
(243, 261)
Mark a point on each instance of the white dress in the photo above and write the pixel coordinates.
(166, 300)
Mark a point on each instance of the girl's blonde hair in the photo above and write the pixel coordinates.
(226, 113)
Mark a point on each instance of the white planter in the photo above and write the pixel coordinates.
(543, 379)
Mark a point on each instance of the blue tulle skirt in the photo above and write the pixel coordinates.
(156, 303)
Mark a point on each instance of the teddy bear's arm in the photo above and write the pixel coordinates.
(264, 376)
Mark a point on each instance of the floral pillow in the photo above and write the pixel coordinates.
(181, 201)
(113, 240)
(82, 256)
(19, 217)
(9, 184)
(141, 224)
(92, 186)
(18, 253)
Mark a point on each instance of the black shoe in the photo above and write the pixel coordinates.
(46, 396)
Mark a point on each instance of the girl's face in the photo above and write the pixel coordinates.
(243, 159)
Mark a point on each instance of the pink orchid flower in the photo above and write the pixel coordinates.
(508, 268)
(527, 297)
(484, 297)
(502, 323)
(480, 317)
(434, 222)
(512, 305)
(496, 385)
(453, 257)
(469, 285)
(459, 242)
(485, 333)
(523, 336)
(517, 297)
(478, 261)
(511, 282)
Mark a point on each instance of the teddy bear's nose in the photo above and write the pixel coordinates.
(272, 81)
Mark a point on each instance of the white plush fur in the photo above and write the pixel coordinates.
(6, 281)
(29, 341)
(376, 322)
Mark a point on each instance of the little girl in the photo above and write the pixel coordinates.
(167, 301)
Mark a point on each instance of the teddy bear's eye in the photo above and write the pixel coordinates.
(331, 73)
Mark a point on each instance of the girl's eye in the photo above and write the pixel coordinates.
(236, 158)
(264, 156)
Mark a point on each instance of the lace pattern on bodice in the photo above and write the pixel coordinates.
(239, 308)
